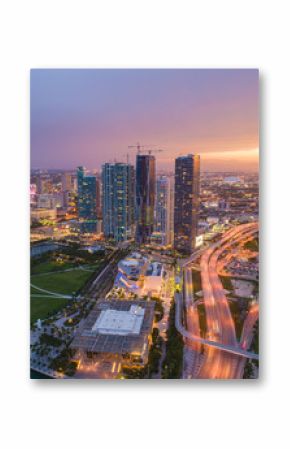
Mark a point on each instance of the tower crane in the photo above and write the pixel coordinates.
(150, 149)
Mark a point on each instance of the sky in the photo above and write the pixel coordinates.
(90, 116)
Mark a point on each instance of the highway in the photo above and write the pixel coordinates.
(220, 324)
(247, 335)
(192, 349)
(236, 350)
(222, 357)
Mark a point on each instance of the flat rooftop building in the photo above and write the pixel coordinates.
(120, 322)
(117, 327)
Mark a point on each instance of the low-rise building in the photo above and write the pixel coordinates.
(153, 279)
(41, 214)
(116, 327)
(139, 275)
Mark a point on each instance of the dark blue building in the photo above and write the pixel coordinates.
(118, 181)
(186, 202)
(87, 201)
(145, 197)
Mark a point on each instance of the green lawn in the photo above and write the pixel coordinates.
(43, 307)
(252, 245)
(45, 267)
(65, 282)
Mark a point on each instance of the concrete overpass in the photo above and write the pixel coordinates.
(186, 334)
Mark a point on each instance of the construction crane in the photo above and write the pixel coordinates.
(138, 146)
(150, 150)
(158, 150)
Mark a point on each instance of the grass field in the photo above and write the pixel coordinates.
(46, 267)
(43, 307)
(52, 276)
(65, 282)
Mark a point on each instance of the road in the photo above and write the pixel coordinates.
(222, 354)
(220, 324)
(247, 335)
(191, 349)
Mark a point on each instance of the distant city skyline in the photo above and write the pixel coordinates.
(89, 117)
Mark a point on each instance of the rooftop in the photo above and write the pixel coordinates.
(116, 326)
(116, 322)
(154, 269)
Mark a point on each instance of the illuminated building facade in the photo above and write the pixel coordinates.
(186, 202)
(99, 196)
(68, 188)
(145, 197)
(162, 214)
(117, 328)
(87, 206)
(118, 183)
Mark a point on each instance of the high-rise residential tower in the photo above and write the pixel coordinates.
(118, 185)
(86, 202)
(145, 197)
(186, 202)
(68, 188)
(162, 210)
(99, 196)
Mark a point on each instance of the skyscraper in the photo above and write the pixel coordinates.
(186, 202)
(162, 214)
(68, 188)
(67, 179)
(99, 196)
(171, 214)
(87, 207)
(145, 197)
(118, 181)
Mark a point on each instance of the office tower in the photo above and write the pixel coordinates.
(87, 207)
(186, 202)
(162, 213)
(171, 214)
(118, 185)
(99, 196)
(66, 181)
(145, 197)
(68, 188)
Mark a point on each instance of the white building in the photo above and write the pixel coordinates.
(120, 322)
(132, 265)
(153, 279)
(162, 211)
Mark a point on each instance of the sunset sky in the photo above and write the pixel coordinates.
(88, 117)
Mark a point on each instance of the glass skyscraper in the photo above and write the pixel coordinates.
(186, 202)
(145, 197)
(86, 202)
(99, 196)
(118, 184)
(162, 215)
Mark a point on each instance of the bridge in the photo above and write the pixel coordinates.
(226, 348)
